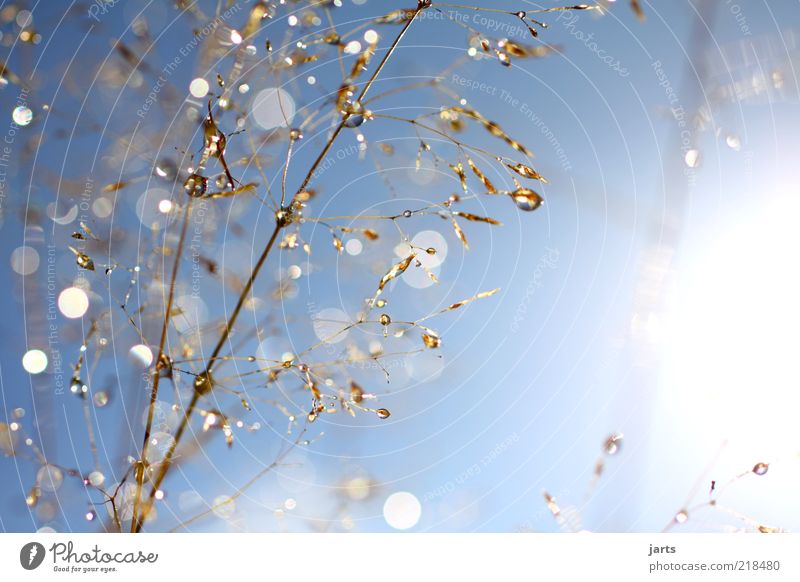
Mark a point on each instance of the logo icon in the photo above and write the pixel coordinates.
(31, 555)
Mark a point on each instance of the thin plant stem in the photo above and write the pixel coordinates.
(157, 375)
(138, 522)
(136, 527)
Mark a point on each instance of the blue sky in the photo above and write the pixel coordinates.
(531, 381)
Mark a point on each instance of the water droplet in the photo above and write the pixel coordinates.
(682, 516)
(402, 510)
(354, 121)
(100, 398)
(199, 88)
(195, 185)
(33, 497)
(34, 361)
(431, 341)
(733, 142)
(383, 413)
(385, 319)
(692, 158)
(407, 213)
(73, 302)
(22, 115)
(283, 217)
(761, 468)
(49, 478)
(141, 355)
(90, 515)
(295, 134)
(24, 260)
(166, 168)
(203, 383)
(96, 479)
(356, 114)
(526, 199)
(612, 444)
(212, 420)
(83, 260)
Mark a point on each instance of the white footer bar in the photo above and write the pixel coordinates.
(390, 557)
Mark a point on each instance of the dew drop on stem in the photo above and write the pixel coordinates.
(203, 383)
(355, 114)
(612, 444)
(431, 341)
(526, 199)
(195, 185)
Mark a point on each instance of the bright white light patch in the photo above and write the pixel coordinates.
(273, 107)
(34, 361)
(353, 47)
(148, 208)
(199, 88)
(353, 247)
(73, 302)
(329, 325)
(731, 340)
(420, 277)
(142, 355)
(402, 510)
(22, 115)
(692, 158)
(24, 260)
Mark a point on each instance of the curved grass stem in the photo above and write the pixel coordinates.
(140, 517)
(156, 375)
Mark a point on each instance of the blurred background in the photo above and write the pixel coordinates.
(638, 362)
